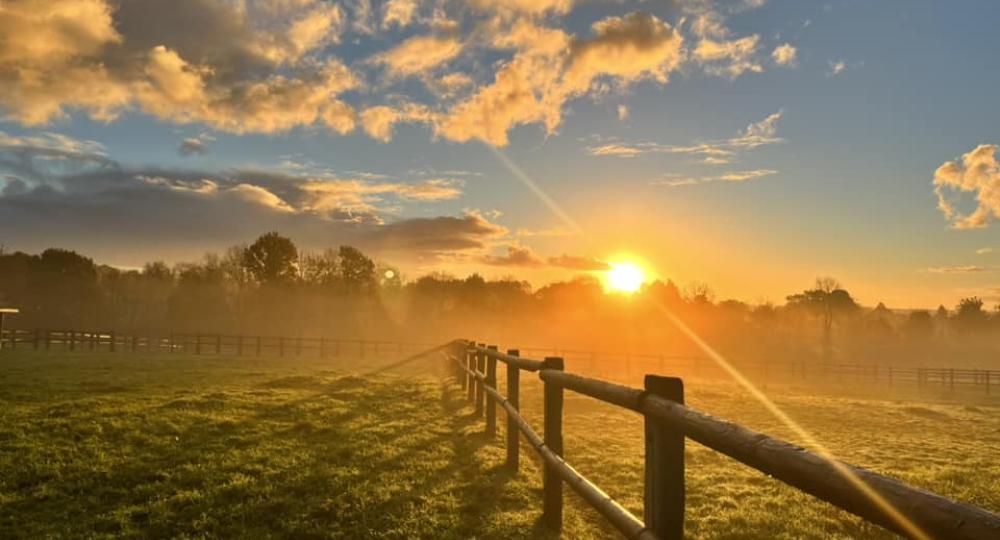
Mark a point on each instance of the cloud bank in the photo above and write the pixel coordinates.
(270, 66)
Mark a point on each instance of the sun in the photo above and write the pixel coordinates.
(625, 277)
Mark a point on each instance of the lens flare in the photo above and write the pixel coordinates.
(894, 513)
(904, 522)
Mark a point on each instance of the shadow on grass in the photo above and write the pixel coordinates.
(295, 456)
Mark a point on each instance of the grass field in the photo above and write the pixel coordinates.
(182, 447)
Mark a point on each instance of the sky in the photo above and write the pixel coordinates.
(748, 145)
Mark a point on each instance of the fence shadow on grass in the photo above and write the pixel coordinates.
(302, 454)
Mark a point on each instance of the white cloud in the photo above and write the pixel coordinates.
(977, 173)
(622, 113)
(984, 251)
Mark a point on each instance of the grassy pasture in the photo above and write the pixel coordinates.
(183, 447)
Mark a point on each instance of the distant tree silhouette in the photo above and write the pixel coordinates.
(969, 315)
(63, 284)
(357, 271)
(827, 301)
(272, 259)
(320, 270)
(919, 326)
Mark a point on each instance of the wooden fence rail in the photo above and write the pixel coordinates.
(199, 344)
(629, 367)
(889, 503)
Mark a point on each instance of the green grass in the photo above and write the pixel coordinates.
(182, 447)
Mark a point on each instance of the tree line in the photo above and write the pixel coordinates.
(270, 287)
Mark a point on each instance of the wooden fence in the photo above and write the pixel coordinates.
(668, 423)
(628, 367)
(610, 365)
(217, 344)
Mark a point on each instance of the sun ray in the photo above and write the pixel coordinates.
(890, 510)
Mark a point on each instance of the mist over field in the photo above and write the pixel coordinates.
(269, 287)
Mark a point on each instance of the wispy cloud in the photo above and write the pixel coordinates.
(195, 145)
(984, 251)
(836, 68)
(967, 269)
(550, 232)
(524, 257)
(735, 176)
(761, 133)
(518, 256)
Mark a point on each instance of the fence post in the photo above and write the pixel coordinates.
(951, 378)
(462, 355)
(298, 346)
(514, 398)
(663, 507)
(480, 392)
(239, 345)
(256, 345)
(470, 361)
(322, 347)
(491, 404)
(48, 339)
(552, 498)
(135, 342)
(113, 337)
(987, 382)
(281, 347)
(218, 344)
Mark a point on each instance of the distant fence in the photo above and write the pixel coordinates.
(217, 344)
(616, 366)
(911, 512)
(627, 367)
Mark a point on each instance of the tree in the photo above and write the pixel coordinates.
(827, 301)
(919, 325)
(272, 259)
(357, 271)
(321, 269)
(64, 286)
(969, 314)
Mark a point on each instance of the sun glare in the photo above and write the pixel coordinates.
(625, 277)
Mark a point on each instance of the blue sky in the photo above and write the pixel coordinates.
(877, 97)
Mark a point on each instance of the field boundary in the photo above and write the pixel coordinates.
(878, 499)
(198, 344)
(604, 364)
